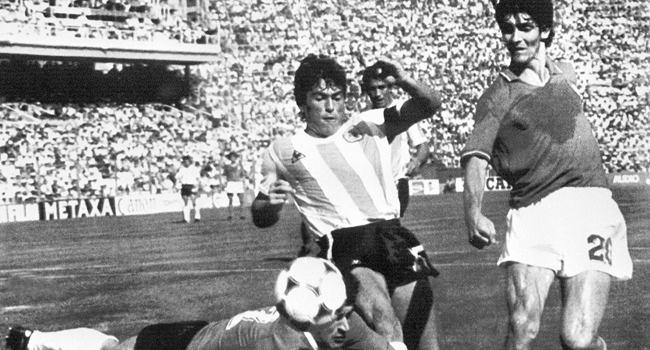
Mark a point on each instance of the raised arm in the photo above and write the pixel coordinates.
(423, 104)
(480, 229)
(274, 193)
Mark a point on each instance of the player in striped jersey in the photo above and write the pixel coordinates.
(338, 172)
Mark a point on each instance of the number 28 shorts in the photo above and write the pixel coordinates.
(572, 230)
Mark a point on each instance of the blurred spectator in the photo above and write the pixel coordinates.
(245, 99)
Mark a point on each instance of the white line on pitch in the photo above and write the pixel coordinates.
(220, 272)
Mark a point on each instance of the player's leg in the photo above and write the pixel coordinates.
(240, 196)
(197, 209)
(414, 306)
(20, 338)
(230, 200)
(168, 336)
(360, 337)
(527, 288)
(374, 304)
(186, 208)
(584, 298)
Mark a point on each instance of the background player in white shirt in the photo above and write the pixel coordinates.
(188, 178)
(378, 82)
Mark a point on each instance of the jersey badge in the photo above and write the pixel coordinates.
(296, 156)
(356, 132)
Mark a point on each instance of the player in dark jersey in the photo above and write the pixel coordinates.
(235, 182)
(286, 326)
(563, 223)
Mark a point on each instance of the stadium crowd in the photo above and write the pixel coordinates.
(108, 148)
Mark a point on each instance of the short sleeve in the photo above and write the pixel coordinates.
(486, 123)
(415, 135)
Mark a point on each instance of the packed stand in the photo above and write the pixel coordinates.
(454, 45)
(107, 150)
(153, 21)
(247, 101)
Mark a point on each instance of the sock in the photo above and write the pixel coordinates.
(197, 212)
(398, 345)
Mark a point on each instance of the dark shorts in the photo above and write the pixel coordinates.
(384, 246)
(187, 190)
(168, 336)
(403, 194)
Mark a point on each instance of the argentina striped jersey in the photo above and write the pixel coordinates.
(341, 181)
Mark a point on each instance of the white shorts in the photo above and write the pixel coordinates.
(235, 187)
(72, 339)
(572, 230)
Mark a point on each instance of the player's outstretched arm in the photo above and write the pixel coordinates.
(480, 229)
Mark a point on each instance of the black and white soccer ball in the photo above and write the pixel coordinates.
(310, 289)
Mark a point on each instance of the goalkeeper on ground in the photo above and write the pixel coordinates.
(296, 322)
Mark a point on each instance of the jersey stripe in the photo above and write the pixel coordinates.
(360, 191)
(356, 164)
(326, 186)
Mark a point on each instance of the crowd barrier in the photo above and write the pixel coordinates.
(495, 183)
(141, 204)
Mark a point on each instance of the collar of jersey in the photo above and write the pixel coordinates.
(341, 130)
(550, 65)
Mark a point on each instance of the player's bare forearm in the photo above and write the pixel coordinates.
(424, 101)
(420, 156)
(480, 229)
(475, 174)
(416, 89)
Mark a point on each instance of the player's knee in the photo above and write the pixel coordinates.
(128, 344)
(578, 339)
(524, 326)
(370, 281)
(110, 344)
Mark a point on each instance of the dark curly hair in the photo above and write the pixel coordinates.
(378, 71)
(541, 11)
(312, 69)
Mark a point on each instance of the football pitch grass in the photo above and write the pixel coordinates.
(118, 274)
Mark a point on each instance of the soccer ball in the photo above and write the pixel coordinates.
(310, 289)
